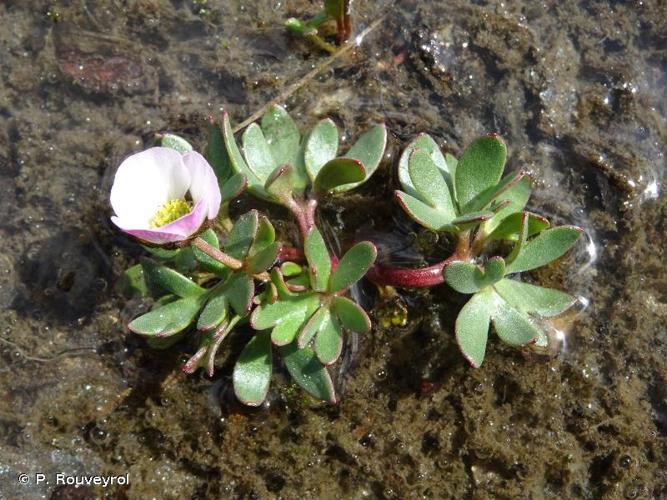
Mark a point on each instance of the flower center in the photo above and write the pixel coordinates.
(170, 211)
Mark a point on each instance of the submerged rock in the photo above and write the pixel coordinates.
(102, 64)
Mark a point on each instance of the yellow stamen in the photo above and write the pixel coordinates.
(170, 211)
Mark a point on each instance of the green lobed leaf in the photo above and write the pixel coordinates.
(368, 149)
(319, 261)
(214, 312)
(242, 235)
(168, 319)
(351, 315)
(532, 299)
(480, 167)
(421, 213)
(353, 266)
(517, 196)
(257, 152)
(329, 341)
(169, 280)
(233, 187)
(338, 172)
(513, 327)
(466, 277)
(286, 317)
(216, 154)
(313, 326)
(494, 269)
(425, 143)
(510, 227)
(321, 146)
(286, 330)
(252, 372)
(472, 326)
(547, 246)
(240, 289)
(452, 163)
(290, 269)
(255, 182)
(266, 235)
(175, 142)
(280, 184)
(495, 193)
(263, 259)
(429, 183)
(281, 134)
(308, 372)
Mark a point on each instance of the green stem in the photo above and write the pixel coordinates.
(226, 260)
(319, 42)
(217, 254)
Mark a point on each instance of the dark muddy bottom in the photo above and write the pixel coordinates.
(577, 89)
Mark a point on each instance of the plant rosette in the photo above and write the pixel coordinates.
(283, 167)
(249, 251)
(512, 306)
(470, 200)
(304, 315)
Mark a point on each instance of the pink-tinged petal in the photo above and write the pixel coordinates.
(155, 237)
(204, 184)
(188, 224)
(179, 230)
(144, 182)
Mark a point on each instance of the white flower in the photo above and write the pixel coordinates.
(163, 196)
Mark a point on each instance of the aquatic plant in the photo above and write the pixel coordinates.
(335, 10)
(221, 276)
(469, 200)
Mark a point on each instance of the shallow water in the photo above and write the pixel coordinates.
(578, 91)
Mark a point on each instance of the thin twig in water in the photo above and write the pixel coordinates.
(74, 351)
(310, 75)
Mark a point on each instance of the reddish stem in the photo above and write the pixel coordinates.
(405, 277)
(344, 24)
(424, 277)
(304, 212)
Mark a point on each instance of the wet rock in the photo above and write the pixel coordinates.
(65, 275)
(102, 64)
(558, 96)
